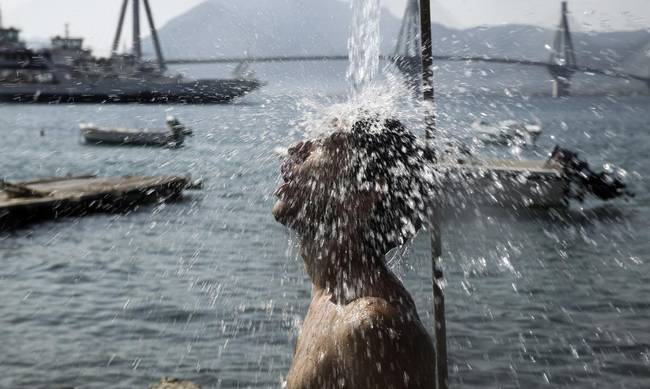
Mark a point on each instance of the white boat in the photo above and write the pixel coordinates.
(507, 132)
(506, 183)
(174, 136)
(526, 183)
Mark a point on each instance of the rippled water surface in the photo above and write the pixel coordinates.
(210, 288)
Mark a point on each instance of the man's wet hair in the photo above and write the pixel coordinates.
(388, 159)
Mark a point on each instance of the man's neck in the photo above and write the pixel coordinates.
(346, 270)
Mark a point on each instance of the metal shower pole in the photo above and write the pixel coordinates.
(439, 329)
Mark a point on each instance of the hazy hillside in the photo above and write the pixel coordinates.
(284, 27)
(263, 27)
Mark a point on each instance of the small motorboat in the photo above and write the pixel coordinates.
(507, 132)
(173, 137)
(527, 183)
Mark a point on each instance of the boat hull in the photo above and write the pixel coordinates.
(199, 92)
(509, 184)
(107, 137)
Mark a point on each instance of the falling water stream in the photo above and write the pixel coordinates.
(363, 44)
(373, 90)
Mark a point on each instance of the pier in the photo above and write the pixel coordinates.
(26, 202)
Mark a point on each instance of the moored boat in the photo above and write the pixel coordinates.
(68, 72)
(173, 137)
(527, 183)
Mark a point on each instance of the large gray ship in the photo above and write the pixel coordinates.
(66, 72)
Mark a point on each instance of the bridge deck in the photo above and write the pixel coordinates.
(454, 58)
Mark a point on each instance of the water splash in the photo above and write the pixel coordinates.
(388, 99)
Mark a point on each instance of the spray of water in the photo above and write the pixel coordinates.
(387, 98)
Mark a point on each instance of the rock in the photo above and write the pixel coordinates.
(174, 383)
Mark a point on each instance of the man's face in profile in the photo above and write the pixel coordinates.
(313, 175)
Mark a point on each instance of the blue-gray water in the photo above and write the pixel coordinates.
(210, 288)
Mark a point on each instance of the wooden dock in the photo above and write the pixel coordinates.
(25, 202)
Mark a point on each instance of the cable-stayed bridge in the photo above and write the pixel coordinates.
(562, 63)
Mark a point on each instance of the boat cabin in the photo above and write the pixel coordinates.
(66, 50)
(18, 64)
(10, 39)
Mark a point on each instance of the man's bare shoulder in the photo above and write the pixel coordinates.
(385, 346)
(368, 312)
(376, 321)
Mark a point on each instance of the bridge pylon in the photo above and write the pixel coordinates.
(562, 62)
(137, 40)
(407, 51)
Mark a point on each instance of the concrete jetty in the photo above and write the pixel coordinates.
(25, 202)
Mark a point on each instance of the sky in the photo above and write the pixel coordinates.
(95, 20)
(586, 15)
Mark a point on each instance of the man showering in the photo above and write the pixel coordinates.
(351, 197)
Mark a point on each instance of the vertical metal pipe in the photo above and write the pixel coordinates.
(440, 323)
(120, 24)
(439, 330)
(137, 48)
(427, 67)
(154, 36)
